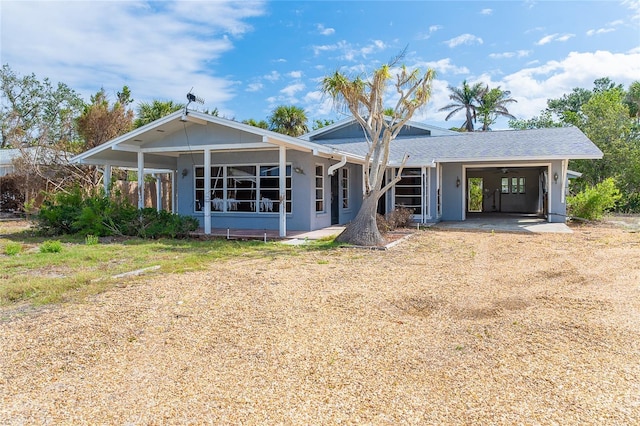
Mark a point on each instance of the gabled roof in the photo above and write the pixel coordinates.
(325, 132)
(507, 145)
(163, 140)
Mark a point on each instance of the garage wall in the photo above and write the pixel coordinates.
(496, 201)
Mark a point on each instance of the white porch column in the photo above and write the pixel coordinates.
(106, 179)
(207, 191)
(158, 191)
(282, 155)
(563, 182)
(140, 180)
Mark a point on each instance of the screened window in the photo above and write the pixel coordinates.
(319, 188)
(345, 188)
(243, 188)
(269, 184)
(408, 191)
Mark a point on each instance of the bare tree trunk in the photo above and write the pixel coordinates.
(363, 230)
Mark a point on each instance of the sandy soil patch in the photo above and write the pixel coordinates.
(445, 328)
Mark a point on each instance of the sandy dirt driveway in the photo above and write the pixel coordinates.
(445, 328)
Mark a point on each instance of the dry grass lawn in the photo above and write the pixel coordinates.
(445, 328)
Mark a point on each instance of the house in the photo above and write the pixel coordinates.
(231, 175)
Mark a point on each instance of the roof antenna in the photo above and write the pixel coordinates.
(192, 98)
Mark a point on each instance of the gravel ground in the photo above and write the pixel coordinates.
(445, 328)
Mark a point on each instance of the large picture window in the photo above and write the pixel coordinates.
(246, 188)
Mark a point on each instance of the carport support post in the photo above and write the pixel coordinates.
(283, 190)
(158, 191)
(106, 179)
(207, 191)
(140, 180)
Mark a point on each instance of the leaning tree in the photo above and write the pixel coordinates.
(364, 98)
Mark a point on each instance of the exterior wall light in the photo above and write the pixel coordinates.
(185, 172)
(555, 177)
(458, 182)
(298, 170)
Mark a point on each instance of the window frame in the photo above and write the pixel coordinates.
(345, 178)
(320, 189)
(222, 205)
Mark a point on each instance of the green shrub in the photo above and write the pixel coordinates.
(594, 201)
(51, 246)
(95, 214)
(12, 248)
(91, 240)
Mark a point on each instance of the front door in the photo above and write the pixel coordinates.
(335, 198)
(474, 195)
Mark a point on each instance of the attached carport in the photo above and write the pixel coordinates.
(507, 188)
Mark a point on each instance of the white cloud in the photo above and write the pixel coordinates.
(516, 54)
(533, 86)
(254, 87)
(318, 105)
(463, 39)
(443, 66)
(292, 89)
(349, 52)
(432, 29)
(325, 31)
(158, 51)
(295, 74)
(600, 31)
(565, 37)
(272, 76)
(546, 39)
(634, 6)
(486, 11)
(554, 37)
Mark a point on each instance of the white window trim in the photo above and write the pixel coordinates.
(316, 187)
(345, 189)
(257, 189)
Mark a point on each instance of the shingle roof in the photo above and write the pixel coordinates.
(507, 145)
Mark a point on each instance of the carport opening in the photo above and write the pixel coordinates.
(507, 190)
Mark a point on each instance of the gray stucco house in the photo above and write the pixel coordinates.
(231, 175)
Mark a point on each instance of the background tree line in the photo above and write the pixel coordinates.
(610, 116)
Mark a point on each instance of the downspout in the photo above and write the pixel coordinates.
(332, 169)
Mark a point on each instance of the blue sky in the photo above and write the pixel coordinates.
(245, 58)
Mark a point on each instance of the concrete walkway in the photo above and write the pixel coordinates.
(506, 223)
(318, 234)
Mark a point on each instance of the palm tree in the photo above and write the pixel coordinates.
(493, 105)
(465, 98)
(261, 124)
(148, 112)
(289, 120)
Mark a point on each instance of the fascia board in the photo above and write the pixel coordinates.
(503, 159)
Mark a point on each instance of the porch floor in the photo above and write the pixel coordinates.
(504, 222)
